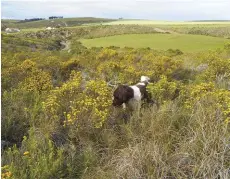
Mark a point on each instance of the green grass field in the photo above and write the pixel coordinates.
(184, 42)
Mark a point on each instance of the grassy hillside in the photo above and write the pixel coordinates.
(58, 121)
(215, 30)
(54, 22)
(188, 43)
(154, 22)
(9, 21)
(16, 44)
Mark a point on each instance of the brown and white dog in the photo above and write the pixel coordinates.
(131, 96)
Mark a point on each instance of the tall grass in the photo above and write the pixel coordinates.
(165, 142)
(169, 142)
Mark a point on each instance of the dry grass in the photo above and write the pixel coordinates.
(168, 143)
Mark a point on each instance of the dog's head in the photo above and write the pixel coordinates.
(145, 79)
(122, 94)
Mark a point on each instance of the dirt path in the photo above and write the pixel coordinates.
(67, 45)
(65, 24)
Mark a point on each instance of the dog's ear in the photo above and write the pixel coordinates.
(126, 93)
(122, 95)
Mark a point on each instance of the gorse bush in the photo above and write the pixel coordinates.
(38, 81)
(127, 68)
(163, 90)
(220, 97)
(58, 121)
(68, 66)
(217, 67)
(93, 104)
(60, 98)
(73, 101)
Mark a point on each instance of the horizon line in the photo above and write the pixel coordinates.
(120, 18)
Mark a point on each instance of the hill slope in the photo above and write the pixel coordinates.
(54, 22)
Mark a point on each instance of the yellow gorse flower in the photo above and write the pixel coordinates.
(6, 174)
(26, 153)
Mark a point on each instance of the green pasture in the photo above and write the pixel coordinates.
(184, 42)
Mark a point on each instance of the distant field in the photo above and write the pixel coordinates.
(184, 42)
(65, 22)
(70, 22)
(152, 22)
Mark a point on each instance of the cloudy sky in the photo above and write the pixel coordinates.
(130, 9)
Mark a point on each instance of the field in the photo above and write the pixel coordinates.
(152, 22)
(65, 22)
(58, 120)
(187, 43)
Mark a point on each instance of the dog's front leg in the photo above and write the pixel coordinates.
(138, 109)
(124, 106)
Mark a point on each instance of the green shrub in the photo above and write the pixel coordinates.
(36, 158)
(163, 90)
(173, 52)
(20, 110)
(227, 46)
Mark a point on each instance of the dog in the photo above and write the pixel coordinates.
(131, 96)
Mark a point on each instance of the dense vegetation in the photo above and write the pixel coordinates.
(58, 122)
(210, 30)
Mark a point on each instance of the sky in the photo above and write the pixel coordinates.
(172, 10)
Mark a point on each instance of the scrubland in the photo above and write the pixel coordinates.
(58, 122)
